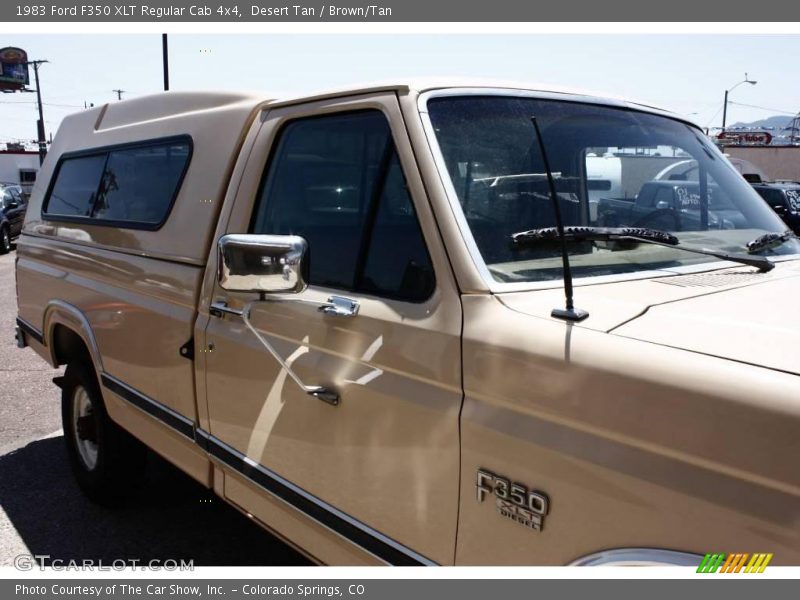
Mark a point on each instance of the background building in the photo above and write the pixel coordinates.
(18, 165)
(777, 162)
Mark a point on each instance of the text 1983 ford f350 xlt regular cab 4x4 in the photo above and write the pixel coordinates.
(345, 314)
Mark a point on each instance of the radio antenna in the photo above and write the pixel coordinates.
(570, 313)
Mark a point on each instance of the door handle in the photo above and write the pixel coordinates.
(220, 309)
(340, 306)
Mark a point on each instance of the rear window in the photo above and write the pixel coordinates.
(132, 186)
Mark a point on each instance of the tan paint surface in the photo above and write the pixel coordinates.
(635, 444)
(640, 437)
(393, 440)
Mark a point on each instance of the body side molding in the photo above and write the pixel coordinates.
(163, 413)
(345, 526)
(30, 330)
(374, 542)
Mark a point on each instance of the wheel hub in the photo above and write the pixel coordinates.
(84, 427)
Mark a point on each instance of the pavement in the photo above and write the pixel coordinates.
(42, 511)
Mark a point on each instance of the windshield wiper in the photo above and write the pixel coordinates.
(768, 241)
(582, 233)
(642, 235)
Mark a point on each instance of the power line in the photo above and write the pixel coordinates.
(785, 112)
(45, 103)
(708, 124)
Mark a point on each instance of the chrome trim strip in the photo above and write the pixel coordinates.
(336, 521)
(201, 438)
(152, 407)
(220, 308)
(638, 556)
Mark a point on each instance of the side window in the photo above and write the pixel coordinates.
(397, 261)
(336, 181)
(77, 180)
(663, 197)
(134, 186)
(139, 183)
(27, 176)
(774, 197)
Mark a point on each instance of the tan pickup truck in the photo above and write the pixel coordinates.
(389, 324)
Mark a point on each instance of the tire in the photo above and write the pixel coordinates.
(106, 460)
(5, 240)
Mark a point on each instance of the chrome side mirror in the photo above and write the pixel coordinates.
(263, 263)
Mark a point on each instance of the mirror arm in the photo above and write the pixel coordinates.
(324, 394)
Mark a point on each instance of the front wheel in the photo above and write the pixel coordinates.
(107, 461)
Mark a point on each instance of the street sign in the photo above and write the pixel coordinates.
(13, 69)
(745, 138)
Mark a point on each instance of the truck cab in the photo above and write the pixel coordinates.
(784, 198)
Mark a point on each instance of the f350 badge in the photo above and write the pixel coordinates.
(514, 501)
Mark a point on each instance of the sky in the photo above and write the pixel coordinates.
(684, 73)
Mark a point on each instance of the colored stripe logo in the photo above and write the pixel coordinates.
(734, 563)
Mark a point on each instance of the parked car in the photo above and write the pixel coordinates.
(784, 198)
(672, 205)
(344, 313)
(12, 214)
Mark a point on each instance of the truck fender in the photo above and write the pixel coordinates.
(58, 312)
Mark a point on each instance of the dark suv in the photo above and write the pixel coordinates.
(784, 198)
(12, 214)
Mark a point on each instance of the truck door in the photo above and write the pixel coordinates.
(379, 470)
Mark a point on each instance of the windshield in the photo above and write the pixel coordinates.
(613, 167)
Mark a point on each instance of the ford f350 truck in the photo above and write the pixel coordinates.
(383, 322)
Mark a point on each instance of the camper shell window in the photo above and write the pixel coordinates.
(130, 186)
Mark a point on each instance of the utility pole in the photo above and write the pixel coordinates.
(724, 111)
(40, 123)
(725, 104)
(119, 93)
(165, 60)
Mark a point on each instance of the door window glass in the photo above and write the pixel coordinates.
(337, 182)
(397, 262)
